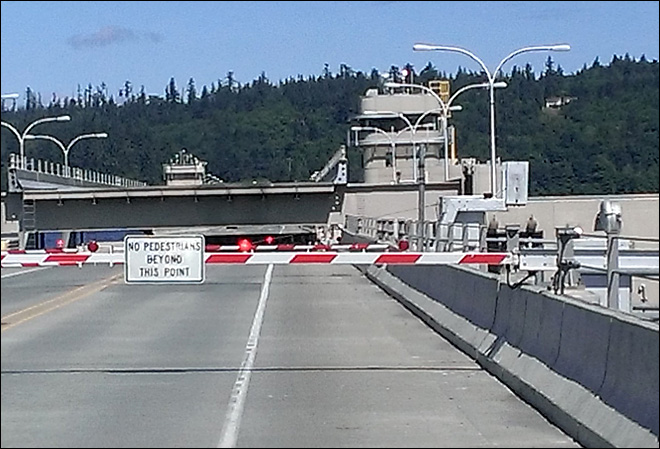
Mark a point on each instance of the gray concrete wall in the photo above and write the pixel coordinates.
(10, 236)
(391, 204)
(591, 371)
(640, 213)
(403, 103)
(640, 216)
(376, 172)
(8, 227)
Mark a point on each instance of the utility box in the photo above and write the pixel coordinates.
(609, 218)
(440, 87)
(516, 182)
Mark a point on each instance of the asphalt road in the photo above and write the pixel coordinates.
(295, 356)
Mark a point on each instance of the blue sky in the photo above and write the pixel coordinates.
(52, 47)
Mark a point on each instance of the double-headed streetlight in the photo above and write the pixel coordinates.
(491, 83)
(67, 148)
(21, 137)
(444, 109)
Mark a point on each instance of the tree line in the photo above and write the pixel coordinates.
(602, 139)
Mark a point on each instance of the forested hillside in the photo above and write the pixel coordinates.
(605, 140)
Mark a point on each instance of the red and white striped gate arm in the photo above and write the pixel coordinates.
(296, 247)
(338, 258)
(37, 258)
(57, 257)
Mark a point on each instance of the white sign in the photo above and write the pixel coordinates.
(164, 260)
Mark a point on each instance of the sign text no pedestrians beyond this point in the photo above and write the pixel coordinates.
(164, 260)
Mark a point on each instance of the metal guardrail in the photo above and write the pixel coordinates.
(437, 237)
(76, 173)
(568, 254)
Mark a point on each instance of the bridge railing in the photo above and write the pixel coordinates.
(566, 259)
(438, 237)
(75, 173)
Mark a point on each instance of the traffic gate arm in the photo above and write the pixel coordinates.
(19, 258)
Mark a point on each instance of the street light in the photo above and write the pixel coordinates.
(66, 149)
(21, 137)
(491, 82)
(444, 109)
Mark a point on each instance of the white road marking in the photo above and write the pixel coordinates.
(18, 273)
(232, 423)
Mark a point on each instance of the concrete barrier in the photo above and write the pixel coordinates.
(543, 326)
(631, 378)
(466, 301)
(477, 313)
(517, 313)
(585, 334)
(590, 371)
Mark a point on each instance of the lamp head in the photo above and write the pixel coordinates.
(423, 47)
(382, 113)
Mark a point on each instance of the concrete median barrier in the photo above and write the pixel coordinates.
(541, 334)
(585, 334)
(631, 377)
(439, 283)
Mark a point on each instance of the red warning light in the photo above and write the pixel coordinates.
(59, 243)
(93, 246)
(270, 239)
(403, 245)
(244, 245)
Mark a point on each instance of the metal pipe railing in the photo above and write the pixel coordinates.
(75, 173)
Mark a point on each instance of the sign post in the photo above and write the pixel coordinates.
(164, 259)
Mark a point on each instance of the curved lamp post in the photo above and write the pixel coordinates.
(491, 83)
(21, 137)
(66, 149)
(445, 107)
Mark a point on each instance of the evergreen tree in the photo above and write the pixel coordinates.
(30, 99)
(191, 91)
(603, 139)
(171, 92)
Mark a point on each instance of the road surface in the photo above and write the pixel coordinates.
(290, 356)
